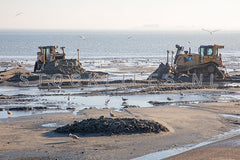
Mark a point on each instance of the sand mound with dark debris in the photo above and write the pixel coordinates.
(160, 72)
(67, 66)
(111, 126)
(70, 67)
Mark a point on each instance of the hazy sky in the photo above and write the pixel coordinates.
(120, 14)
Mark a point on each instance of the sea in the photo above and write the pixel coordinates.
(23, 45)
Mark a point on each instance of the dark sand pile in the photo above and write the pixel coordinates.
(111, 126)
(67, 66)
(17, 74)
(160, 72)
(70, 67)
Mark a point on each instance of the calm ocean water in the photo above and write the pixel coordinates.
(23, 45)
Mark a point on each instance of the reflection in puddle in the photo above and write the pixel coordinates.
(187, 107)
(230, 116)
(54, 100)
(51, 125)
(177, 150)
(4, 114)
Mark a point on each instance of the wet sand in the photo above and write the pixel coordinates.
(228, 149)
(224, 150)
(25, 137)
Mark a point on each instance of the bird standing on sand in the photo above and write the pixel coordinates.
(182, 94)
(124, 103)
(124, 99)
(107, 101)
(9, 112)
(168, 98)
(69, 98)
(48, 88)
(59, 87)
(73, 136)
(112, 115)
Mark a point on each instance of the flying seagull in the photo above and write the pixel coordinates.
(210, 31)
(82, 37)
(19, 13)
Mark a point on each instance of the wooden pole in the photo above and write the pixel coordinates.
(78, 55)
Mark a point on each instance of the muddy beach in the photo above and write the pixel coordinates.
(191, 113)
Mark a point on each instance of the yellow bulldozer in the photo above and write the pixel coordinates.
(47, 54)
(206, 61)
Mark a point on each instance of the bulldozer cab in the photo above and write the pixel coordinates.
(46, 51)
(209, 53)
(46, 55)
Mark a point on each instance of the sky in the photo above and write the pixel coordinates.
(120, 14)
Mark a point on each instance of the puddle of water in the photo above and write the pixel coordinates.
(230, 116)
(51, 125)
(178, 150)
(81, 102)
(4, 114)
(56, 99)
(232, 84)
(187, 107)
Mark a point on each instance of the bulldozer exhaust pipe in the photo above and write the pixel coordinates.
(172, 59)
(168, 56)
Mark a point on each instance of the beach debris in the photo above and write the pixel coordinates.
(73, 136)
(131, 106)
(169, 98)
(110, 126)
(27, 108)
(156, 103)
(40, 108)
(112, 114)
(71, 108)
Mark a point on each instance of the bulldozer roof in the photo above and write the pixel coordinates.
(217, 46)
(47, 46)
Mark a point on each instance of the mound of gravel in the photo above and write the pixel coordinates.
(66, 66)
(109, 126)
(70, 67)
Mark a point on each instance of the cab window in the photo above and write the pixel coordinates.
(201, 52)
(209, 52)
